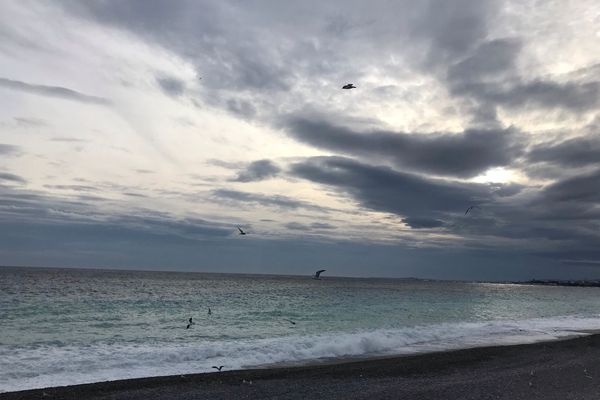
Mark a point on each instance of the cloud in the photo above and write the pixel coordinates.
(258, 171)
(171, 86)
(8, 149)
(30, 122)
(384, 189)
(68, 140)
(5, 176)
(571, 96)
(489, 76)
(490, 59)
(423, 223)
(297, 226)
(264, 200)
(52, 91)
(575, 152)
(579, 189)
(464, 154)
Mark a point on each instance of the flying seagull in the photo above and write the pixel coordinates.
(290, 321)
(470, 208)
(188, 326)
(241, 231)
(220, 367)
(209, 312)
(190, 321)
(318, 273)
(349, 86)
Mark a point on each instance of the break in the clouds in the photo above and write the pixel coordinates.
(186, 119)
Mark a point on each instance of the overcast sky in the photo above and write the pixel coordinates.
(139, 133)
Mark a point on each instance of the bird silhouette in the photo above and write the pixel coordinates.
(349, 86)
(470, 208)
(241, 231)
(318, 273)
(220, 367)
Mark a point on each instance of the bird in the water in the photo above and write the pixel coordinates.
(349, 86)
(318, 273)
(241, 231)
(220, 367)
(470, 208)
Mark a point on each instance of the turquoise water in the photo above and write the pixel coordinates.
(62, 326)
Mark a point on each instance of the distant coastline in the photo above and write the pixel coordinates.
(555, 282)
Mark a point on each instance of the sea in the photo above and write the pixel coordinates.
(69, 326)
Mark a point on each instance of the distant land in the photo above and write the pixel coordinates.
(553, 282)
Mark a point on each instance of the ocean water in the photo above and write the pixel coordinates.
(61, 327)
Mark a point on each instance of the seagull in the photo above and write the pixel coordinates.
(190, 321)
(209, 312)
(349, 86)
(290, 321)
(318, 273)
(188, 326)
(241, 231)
(220, 367)
(470, 208)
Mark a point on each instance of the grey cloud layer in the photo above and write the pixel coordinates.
(384, 189)
(575, 152)
(565, 212)
(463, 154)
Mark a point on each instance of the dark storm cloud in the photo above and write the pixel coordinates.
(171, 86)
(575, 152)
(258, 171)
(5, 176)
(52, 91)
(241, 198)
(384, 189)
(463, 154)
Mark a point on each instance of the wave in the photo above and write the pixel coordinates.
(48, 365)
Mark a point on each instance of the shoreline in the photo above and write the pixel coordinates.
(557, 369)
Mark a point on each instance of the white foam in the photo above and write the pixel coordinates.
(46, 366)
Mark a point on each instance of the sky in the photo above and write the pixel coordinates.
(140, 133)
